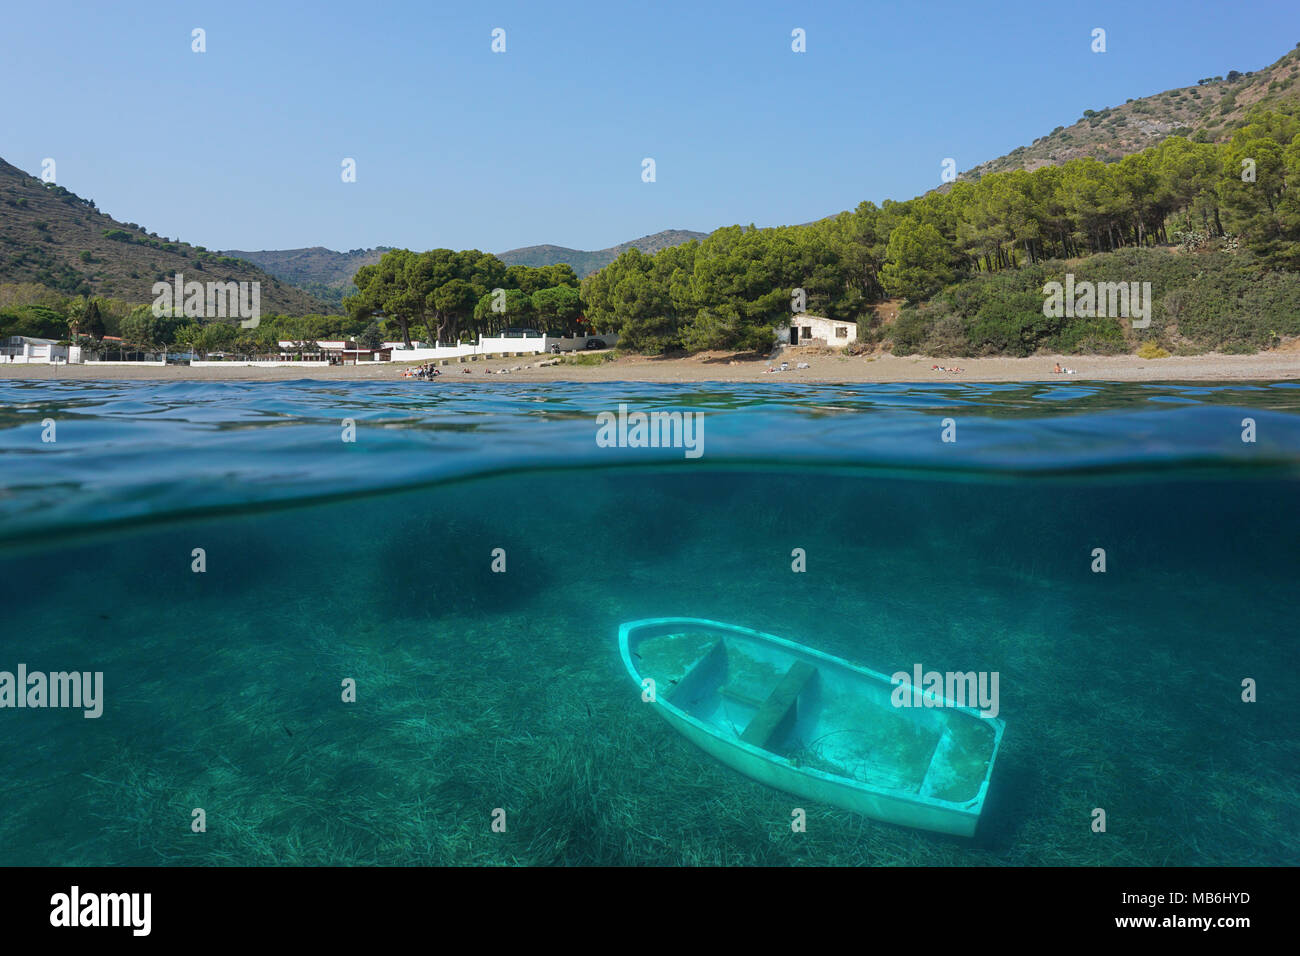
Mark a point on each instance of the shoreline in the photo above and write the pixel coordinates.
(1279, 365)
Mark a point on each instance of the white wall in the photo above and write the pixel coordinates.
(161, 362)
(252, 364)
(503, 344)
(822, 328)
(38, 355)
(424, 355)
(495, 345)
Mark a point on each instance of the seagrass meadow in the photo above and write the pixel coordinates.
(481, 691)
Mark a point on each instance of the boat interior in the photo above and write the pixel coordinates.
(814, 714)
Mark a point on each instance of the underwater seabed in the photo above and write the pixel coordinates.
(481, 691)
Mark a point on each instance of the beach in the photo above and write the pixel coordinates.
(1278, 365)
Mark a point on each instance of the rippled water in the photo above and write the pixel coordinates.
(372, 560)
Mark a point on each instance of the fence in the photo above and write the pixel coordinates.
(123, 357)
(501, 345)
(256, 363)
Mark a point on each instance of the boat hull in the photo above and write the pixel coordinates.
(905, 762)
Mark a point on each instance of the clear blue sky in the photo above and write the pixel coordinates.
(240, 147)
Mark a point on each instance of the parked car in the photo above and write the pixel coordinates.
(594, 344)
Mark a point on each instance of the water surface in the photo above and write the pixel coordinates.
(372, 560)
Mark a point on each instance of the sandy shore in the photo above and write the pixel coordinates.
(720, 367)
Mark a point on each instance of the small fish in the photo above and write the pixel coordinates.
(287, 730)
(103, 617)
(589, 710)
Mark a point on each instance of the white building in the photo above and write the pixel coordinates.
(23, 349)
(814, 330)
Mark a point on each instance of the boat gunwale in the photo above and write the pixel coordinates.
(973, 807)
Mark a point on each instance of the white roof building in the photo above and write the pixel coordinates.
(807, 329)
(28, 348)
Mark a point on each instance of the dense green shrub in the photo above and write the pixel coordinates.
(1012, 324)
(1240, 312)
(909, 331)
(1219, 300)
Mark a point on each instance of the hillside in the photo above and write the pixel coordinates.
(1207, 112)
(322, 272)
(584, 263)
(52, 236)
(327, 274)
(1190, 254)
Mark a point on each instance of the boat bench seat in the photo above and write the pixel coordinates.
(740, 697)
(779, 705)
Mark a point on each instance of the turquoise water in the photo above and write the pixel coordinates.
(476, 690)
